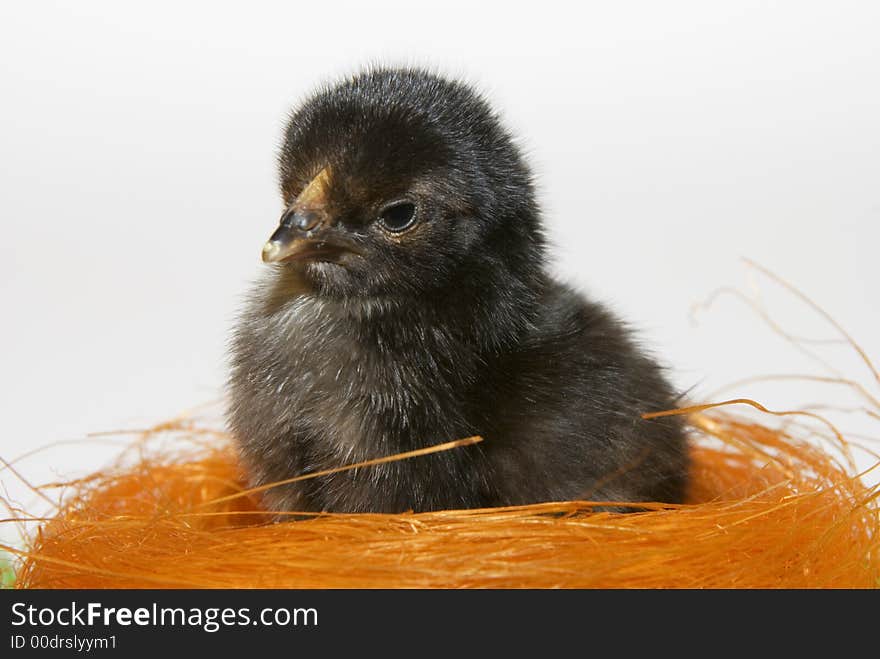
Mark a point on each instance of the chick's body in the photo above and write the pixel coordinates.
(408, 304)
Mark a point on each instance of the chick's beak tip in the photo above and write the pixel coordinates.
(271, 252)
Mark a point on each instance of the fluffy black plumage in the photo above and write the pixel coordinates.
(422, 312)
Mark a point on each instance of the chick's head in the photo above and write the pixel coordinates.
(397, 182)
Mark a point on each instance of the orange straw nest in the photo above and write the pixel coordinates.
(768, 507)
(765, 510)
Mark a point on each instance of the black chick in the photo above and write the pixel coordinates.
(408, 305)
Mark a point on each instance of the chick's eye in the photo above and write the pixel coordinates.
(399, 216)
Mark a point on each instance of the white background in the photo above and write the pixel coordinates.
(137, 182)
